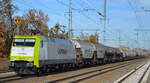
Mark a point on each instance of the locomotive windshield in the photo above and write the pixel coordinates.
(24, 42)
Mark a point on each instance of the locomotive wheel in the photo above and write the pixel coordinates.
(39, 72)
(105, 60)
(20, 72)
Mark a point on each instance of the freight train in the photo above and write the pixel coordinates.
(38, 54)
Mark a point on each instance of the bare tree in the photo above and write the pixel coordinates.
(6, 24)
(38, 19)
(57, 32)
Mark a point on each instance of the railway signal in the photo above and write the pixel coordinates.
(17, 21)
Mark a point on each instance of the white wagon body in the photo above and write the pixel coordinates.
(131, 53)
(86, 48)
(100, 50)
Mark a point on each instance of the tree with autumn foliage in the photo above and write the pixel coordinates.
(2, 39)
(6, 25)
(93, 38)
(37, 19)
(32, 22)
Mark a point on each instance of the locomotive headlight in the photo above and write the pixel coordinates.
(13, 58)
(30, 58)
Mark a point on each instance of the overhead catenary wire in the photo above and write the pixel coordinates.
(111, 30)
(79, 11)
(104, 15)
(61, 2)
(140, 23)
(27, 3)
(87, 3)
(123, 35)
(88, 18)
(90, 5)
(49, 9)
(135, 12)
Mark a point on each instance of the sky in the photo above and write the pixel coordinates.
(124, 17)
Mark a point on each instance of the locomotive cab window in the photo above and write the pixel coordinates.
(24, 42)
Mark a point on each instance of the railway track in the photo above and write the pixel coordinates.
(86, 75)
(137, 75)
(10, 76)
(72, 78)
(5, 71)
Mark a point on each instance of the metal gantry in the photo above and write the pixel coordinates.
(137, 35)
(70, 19)
(104, 35)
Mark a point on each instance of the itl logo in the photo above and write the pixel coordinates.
(62, 51)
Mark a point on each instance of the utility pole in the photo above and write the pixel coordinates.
(70, 17)
(70, 20)
(104, 35)
(145, 41)
(141, 30)
(137, 39)
(119, 38)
